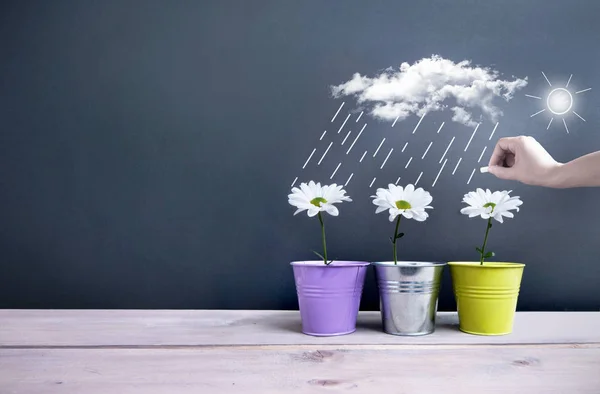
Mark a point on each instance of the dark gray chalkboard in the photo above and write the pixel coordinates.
(147, 147)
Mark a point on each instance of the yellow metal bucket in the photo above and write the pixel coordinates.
(486, 295)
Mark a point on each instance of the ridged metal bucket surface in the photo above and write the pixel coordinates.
(486, 295)
(408, 295)
(329, 296)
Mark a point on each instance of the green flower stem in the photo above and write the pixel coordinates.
(395, 239)
(489, 225)
(323, 235)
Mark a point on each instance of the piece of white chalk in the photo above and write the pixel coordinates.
(484, 169)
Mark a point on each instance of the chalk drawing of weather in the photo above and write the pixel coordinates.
(420, 150)
(559, 101)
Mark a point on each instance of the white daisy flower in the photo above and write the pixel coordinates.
(405, 201)
(490, 205)
(314, 198)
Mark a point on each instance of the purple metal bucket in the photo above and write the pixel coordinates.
(329, 295)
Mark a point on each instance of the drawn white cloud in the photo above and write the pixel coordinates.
(432, 84)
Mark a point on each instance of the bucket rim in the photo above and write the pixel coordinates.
(408, 263)
(487, 264)
(334, 263)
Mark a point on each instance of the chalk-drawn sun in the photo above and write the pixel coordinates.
(559, 102)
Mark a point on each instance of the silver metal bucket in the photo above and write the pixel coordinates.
(408, 295)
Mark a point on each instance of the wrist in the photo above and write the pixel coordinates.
(558, 176)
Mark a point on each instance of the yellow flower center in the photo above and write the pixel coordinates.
(401, 204)
(490, 204)
(317, 201)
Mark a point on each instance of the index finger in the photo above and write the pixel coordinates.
(503, 146)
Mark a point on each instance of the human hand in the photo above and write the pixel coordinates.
(523, 159)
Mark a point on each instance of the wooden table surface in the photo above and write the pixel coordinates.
(174, 351)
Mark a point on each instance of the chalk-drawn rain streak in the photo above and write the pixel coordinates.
(426, 150)
(438, 175)
(348, 181)
(472, 135)
(336, 168)
(386, 158)
(344, 124)
(379, 147)
(419, 178)
(447, 148)
(471, 177)
(481, 155)
(362, 157)
(440, 129)
(346, 138)
(457, 164)
(418, 124)
(324, 154)
(337, 112)
(356, 139)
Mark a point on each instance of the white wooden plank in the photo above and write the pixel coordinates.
(214, 327)
(295, 369)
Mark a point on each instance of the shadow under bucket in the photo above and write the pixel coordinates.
(408, 295)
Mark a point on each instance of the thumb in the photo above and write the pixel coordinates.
(502, 172)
